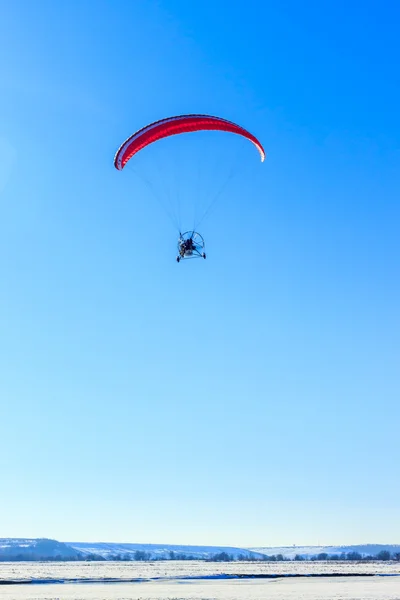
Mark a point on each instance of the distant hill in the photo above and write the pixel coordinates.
(311, 551)
(35, 549)
(159, 551)
(16, 549)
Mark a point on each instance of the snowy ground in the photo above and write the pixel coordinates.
(188, 581)
(180, 569)
(342, 588)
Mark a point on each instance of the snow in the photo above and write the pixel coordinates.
(362, 588)
(170, 570)
(176, 580)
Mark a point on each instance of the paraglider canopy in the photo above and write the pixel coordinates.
(190, 243)
(176, 125)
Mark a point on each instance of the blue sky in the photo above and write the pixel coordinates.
(250, 399)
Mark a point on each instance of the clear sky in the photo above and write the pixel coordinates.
(249, 399)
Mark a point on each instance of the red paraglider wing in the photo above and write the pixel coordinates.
(174, 125)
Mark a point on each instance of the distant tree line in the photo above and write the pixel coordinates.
(383, 555)
(141, 555)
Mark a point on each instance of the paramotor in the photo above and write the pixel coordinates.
(191, 243)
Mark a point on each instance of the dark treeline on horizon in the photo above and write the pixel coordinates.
(143, 556)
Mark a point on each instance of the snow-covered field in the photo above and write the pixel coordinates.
(188, 581)
(181, 569)
(342, 588)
